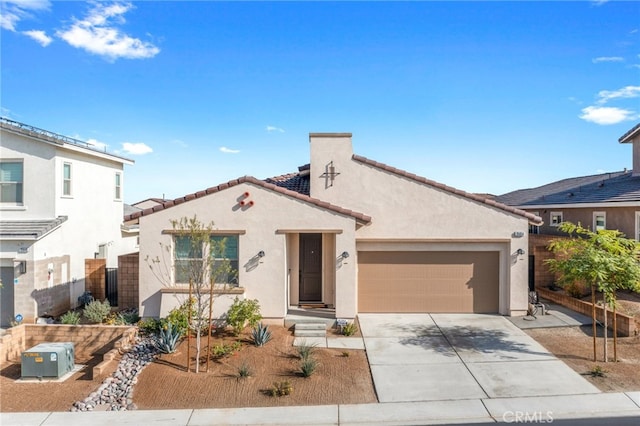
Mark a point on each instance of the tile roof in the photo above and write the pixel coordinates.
(29, 229)
(298, 182)
(630, 134)
(360, 217)
(603, 188)
(55, 138)
(478, 198)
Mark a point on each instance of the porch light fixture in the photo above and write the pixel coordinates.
(519, 252)
(518, 234)
(261, 253)
(344, 254)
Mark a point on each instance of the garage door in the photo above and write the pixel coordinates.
(407, 281)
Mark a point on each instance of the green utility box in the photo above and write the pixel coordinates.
(48, 360)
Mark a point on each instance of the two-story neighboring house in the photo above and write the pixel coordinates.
(601, 201)
(61, 203)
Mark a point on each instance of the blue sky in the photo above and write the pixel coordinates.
(483, 96)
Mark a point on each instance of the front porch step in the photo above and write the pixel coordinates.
(310, 329)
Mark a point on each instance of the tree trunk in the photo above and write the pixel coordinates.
(604, 310)
(189, 329)
(210, 316)
(593, 319)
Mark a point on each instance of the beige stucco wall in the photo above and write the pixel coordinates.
(267, 225)
(403, 210)
(620, 218)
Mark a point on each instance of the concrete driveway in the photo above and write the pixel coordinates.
(430, 357)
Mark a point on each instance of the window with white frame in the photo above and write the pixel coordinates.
(555, 218)
(11, 182)
(599, 221)
(189, 259)
(66, 179)
(118, 186)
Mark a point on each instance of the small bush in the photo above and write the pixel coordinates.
(345, 354)
(71, 318)
(244, 370)
(260, 335)
(222, 350)
(97, 311)
(305, 350)
(597, 371)
(281, 389)
(243, 312)
(308, 366)
(149, 326)
(168, 339)
(129, 317)
(349, 329)
(180, 316)
(576, 290)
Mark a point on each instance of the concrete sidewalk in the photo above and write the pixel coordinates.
(537, 409)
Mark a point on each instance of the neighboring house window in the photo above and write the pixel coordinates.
(118, 186)
(66, 179)
(556, 218)
(534, 229)
(102, 251)
(599, 221)
(11, 180)
(638, 226)
(188, 258)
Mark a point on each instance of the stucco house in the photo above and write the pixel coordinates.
(350, 234)
(601, 201)
(61, 203)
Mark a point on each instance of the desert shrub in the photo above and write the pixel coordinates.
(575, 289)
(242, 313)
(349, 329)
(308, 366)
(97, 311)
(70, 317)
(597, 371)
(281, 388)
(179, 316)
(149, 326)
(223, 349)
(305, 350)
(244, 370)
(129, 317)
(168, 338)
(260, 334)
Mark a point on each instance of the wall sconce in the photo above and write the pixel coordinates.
(518, 234)
(261, 254)
(22, 267)
(519, 252)
(344, 254)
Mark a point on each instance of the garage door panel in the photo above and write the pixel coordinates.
(428, 282)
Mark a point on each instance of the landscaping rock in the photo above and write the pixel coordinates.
(116, 391)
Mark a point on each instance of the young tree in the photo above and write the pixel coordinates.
(198, 258)
(605, 260)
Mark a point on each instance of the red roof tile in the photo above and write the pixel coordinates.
(360, 217)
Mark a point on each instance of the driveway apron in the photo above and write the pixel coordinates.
(431, 357)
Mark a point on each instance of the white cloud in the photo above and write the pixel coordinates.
(13, 11)
(229, 150)
(272, 129)
(94, 143)
(605, 96)
(97, 33)
(139, 148)
(39, 36)
(599, 2)
(607, 115)
(607, 59)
